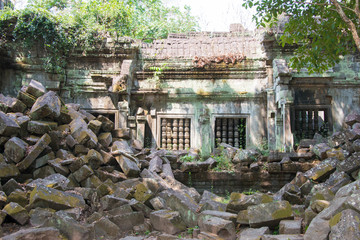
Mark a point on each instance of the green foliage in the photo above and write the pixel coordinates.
(315, 28)
(263, 147)
(157, 73)
(190, 230)
(187, 158)
(60, 26)
(223, 163)
(250, 191)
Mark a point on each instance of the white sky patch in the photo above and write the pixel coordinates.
(215, 15)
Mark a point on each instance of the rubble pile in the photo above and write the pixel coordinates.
(67, 174)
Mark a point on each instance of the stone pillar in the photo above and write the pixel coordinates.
(140, 129)
(205, 133)
(288, 136)
(123, 114)
(152, 125)
(132, 126)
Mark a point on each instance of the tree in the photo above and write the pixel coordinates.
(323, 30)
(60, 26)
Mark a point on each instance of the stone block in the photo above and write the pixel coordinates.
(105, 139)
(94, 159)
(83, 173)
(58, 167)
(320, 150)
(220, 214)
(352, 118)
(253, 233)
(105, 229)
(41, 127)
(40, 217)
(184, 204)
(18, 196)
(110, 202)
(167, 221)
(269, 214)
(127, 221)
(140, 207)
(45, 233)
(210, 201)
(106, 124)
(46, 197)
(322, 170)
(290, 227)
(36, 150)
(350, 164)
(95, 126)
(8, 171)
(283, 237)
(17, 212)
(158, 203)
(43, 172)
(155, 164)
(345, 225)
(46, 106)
(71, 228)
(123, 133)
(36, 89)
(240, 201)
(8, 126)
(42, 161)
(128, 166)
(26, 98)
(225, 229)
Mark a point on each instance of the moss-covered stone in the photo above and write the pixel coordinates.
(46, 197)
(17, 212)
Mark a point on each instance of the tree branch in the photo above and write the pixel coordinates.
(357, 10)
(348, 21)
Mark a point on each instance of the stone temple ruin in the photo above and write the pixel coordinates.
(85, 170)
(196, 90)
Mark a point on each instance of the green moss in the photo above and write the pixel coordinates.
(266, 199)
(283, 212)
(335, 219)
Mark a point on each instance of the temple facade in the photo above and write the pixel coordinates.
(197, 90)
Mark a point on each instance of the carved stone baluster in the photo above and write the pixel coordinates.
(168, 134)
(181, 134)
(163, 133)
(187, 133)
(175, 135)
(231, 131)
(224, 130)
(218, 131)
(236, 133)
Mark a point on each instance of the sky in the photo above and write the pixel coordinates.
(215, 15)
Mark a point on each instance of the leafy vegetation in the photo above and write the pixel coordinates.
(187, 158)
(60, 26)
(223, 162)
(323, 31)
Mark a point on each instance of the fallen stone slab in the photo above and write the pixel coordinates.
(220, 214)
(71, 228)
(253, 233)
(345, 225)
(283, 237)
(167, 221)
(109, 202)
(105, 139)
(17, 212)
(45, 233)
(46, 197)
(211, 201)
(322, 170)
(128, 166)
(225, 229)
(321, 150)
(15, 149)
(8, 171)
(269, 214)
(106, 124)
(41, 127)
(35, 88)
(14, 104)
(123, 146)
(83, 173)
(8, 126)
(36, 150)
(105, 229)
(127, 221)
(240, 201)
(48, 105)
(41, 217)
(350, 164)
(184, 204)
(25, 97)
(18, 196)
(290, 227)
